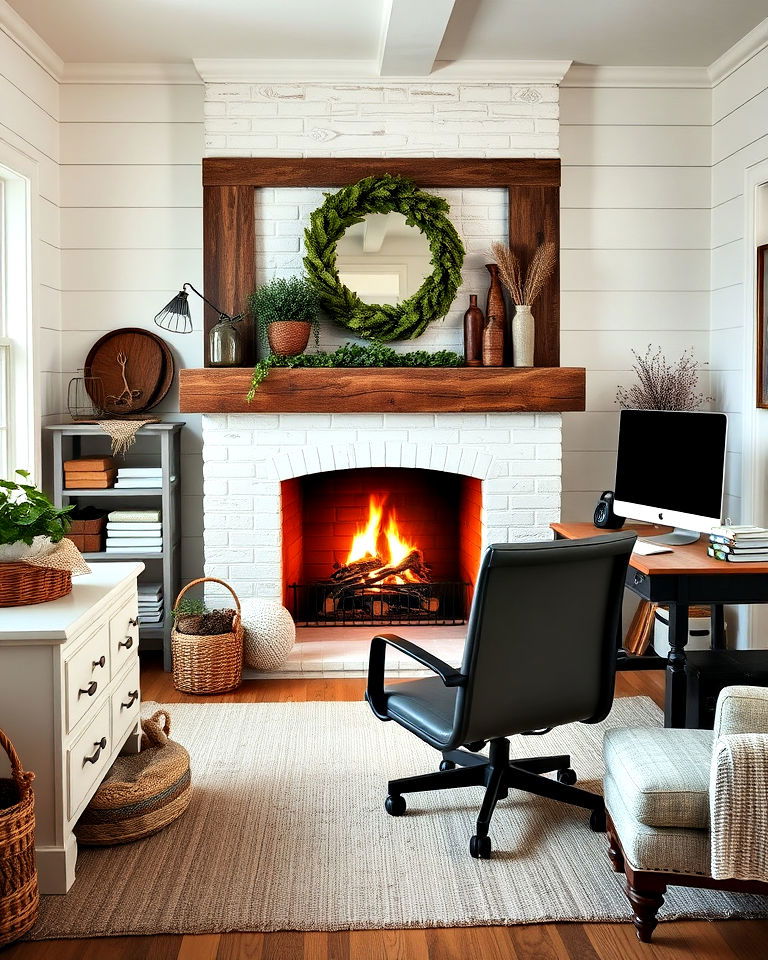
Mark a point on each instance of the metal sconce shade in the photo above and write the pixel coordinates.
(175, 316)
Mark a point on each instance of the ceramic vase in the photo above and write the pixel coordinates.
(493, 343)
(522, 336)
(473, 333)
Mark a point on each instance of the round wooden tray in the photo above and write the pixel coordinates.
(149, 370)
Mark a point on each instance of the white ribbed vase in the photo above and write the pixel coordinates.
(522, 336)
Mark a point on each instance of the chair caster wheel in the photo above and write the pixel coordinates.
(480, 847)
(447, 765)
(395, 805)
(567, 776)
(597, 821)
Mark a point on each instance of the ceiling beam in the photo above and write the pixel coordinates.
(412, 36)
(374, 232)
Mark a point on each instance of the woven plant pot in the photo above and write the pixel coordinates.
(289, 338)
(208, 664)
(22, 584)
(19, 897)
(142, 793)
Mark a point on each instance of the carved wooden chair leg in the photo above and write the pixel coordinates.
(646, 902)
(615, 854)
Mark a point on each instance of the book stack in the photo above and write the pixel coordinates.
(89, 473)
(134, 531)
(739, 544)
(150, 602)
(132, 477)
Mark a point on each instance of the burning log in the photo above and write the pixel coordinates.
(357, 569)
(364, 574)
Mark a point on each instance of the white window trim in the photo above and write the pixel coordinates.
(21, 196)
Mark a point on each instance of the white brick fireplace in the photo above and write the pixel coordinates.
(516, 456)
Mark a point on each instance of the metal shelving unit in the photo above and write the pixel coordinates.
(68, 442)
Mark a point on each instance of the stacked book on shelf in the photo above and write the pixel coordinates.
(89, 473)
(150, 602)
(135, 477)
(134, 531)
(739, 544)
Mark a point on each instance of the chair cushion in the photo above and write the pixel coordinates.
(666, 849)
(662, 774)
(425, 707)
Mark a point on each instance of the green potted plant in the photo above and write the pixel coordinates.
(29, 523)
(286, 310)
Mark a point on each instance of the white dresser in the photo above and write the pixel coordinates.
(69, 700)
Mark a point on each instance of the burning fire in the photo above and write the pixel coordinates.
(377, 540)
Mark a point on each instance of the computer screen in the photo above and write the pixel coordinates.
(671, 462)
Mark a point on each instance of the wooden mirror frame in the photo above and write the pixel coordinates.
(229, 228)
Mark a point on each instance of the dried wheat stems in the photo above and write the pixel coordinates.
(524, 289)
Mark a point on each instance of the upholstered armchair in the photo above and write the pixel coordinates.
(690, 807)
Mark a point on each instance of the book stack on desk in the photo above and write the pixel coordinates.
(134, 531)
(739, 544)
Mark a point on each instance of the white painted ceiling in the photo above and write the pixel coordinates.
(610, 32)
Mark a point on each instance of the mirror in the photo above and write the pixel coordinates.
(383, 259)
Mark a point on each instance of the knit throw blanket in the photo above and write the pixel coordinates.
(123, 432)
(738, 804)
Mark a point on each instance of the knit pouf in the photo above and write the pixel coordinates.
(269, 633)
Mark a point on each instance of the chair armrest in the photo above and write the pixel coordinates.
(737, 808)
(741, 709)
(375, 695)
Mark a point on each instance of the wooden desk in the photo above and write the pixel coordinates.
(680, 579)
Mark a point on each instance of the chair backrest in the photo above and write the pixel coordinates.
(543, 636)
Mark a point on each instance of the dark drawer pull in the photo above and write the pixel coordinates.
(100, 745)
(90, 689)
(133, 622)
(133, 696)
(101, 662)
(639, 577)
(127, 643)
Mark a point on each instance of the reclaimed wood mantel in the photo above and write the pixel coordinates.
(385, 390)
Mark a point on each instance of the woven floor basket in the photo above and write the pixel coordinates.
(19, 897)
(23, 583)
(142, 793)
(212, 664)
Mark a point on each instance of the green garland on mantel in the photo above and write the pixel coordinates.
(355, 355)
(384, 194)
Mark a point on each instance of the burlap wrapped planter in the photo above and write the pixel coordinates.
(142, 793)
(269, 633)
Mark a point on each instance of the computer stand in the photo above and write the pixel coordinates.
(677, 538)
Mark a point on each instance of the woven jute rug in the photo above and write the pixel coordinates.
(287, 831)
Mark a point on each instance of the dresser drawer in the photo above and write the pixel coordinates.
(124, 634)
(126, 701)
(87, 758)
(86, 676)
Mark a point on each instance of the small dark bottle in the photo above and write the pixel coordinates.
(473, 333)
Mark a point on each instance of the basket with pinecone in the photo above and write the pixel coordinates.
(206, 645)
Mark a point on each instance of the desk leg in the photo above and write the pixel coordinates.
(718, 627)
(675, 694)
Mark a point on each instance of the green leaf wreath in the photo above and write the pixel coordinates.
(383, 194)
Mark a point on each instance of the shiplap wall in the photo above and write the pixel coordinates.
(635, 212)
(739, 140)
(131, 234)
(29, 113)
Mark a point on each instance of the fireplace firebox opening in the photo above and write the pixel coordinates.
(381, 545)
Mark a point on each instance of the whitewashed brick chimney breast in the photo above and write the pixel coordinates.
(517, 456)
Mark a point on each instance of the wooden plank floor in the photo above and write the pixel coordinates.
(721, 940)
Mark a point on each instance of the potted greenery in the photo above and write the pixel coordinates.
(286, 310)
(29, 523)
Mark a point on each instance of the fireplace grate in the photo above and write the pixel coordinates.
(325, 604)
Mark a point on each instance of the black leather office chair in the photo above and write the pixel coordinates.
(540, 652)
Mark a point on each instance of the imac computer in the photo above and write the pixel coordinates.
(670, 469)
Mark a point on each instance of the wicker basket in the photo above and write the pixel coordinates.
(210, 664)
(23, 583)
(288, 338)
(142, 793)
(19, 897)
